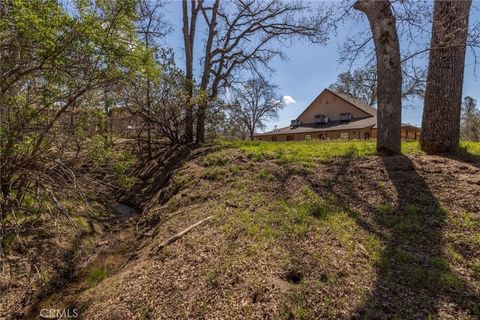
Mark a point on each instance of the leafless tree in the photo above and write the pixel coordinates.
(389, 86)
(362, 84)
(151, 22)
(165, 112)
(151, 27)
(255, 101)
(241, 35)
(189, 31)
(443, 95)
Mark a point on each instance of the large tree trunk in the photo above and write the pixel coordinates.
(207, 64)
(188, 29)
(389, 86)
(443, 95)
(201, 117)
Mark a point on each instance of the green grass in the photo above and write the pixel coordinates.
(468, 220)
(97, 274)
(82, 223)
(312, 151)
(472, 147)
(266, 174)
(303, 151)
(214, 174)
(10, 242)
(216, 159)
(385, 208)
(476, 268)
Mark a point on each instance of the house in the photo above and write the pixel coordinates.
(334, 116)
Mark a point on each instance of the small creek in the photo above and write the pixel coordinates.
(114, 251)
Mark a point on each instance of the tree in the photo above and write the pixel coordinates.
(389, 87)
(470, 123)
(150, 28)
(240, 36)
(189, 30)
(164, 113)
(443, 95)
(50, 60)
(411, 17)
(255, 102)
(360, 84)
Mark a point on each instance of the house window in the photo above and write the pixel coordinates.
(345, 116)
(320, 118)
(289, 138)
(274, 138)
(344, 135)
(308, 137)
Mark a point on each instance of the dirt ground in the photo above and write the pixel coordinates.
(373, 237)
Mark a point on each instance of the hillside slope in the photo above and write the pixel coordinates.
(295, 237)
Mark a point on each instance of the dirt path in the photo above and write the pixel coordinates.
(115, 248)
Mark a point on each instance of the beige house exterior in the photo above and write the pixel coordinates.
(334, 116)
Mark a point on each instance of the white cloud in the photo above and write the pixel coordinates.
(288, 100)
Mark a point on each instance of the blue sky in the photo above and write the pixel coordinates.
(311, 68)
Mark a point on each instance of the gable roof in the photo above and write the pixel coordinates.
(334, 126)
(356, 102)
(352, 101)
(370, 122)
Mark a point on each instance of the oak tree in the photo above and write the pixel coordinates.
(389, 86)
(443, 95)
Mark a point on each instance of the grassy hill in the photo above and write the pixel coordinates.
(300, 230)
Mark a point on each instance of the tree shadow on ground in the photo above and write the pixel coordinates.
(462, 154)
(414, 276)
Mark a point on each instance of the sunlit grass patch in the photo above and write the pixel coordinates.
(302, 151)
(467, 220)
(306, 216)
(472, 147)
(214, 174)
(266, 174)
(234, 170)
(313, 151)
(411, 147)
(215, 159)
